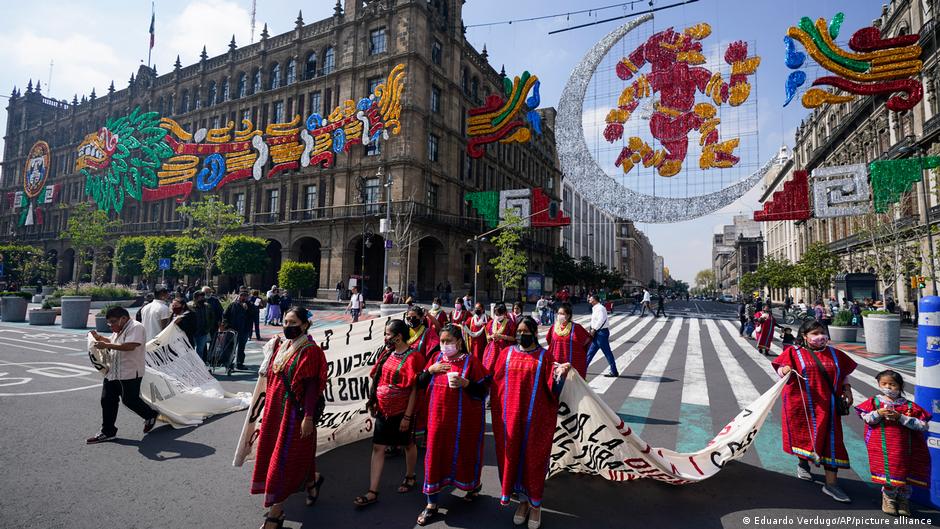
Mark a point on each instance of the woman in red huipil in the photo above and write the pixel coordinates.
(765, 323)
(500, 333)
(525, 389)
(422, 337)
(457, 387)
(287, 443)
(458, 316)
(437, 312)
(811, 424)
(476, 331)
(568, 341)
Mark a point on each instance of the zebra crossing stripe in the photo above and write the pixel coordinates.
(600, 384)
(694, 386)
(619, 341)
(649, 382)
(741, 385)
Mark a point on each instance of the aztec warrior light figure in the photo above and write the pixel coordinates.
(150, 158)
(673, 58)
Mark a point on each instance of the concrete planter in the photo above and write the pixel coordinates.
(75, 312)
(883, 333)
(843, 334)
(42, 317)
(31, 290)
(47, 290)
(102, 304)
(14, 308)
(392, 309)
(101, 323)
(37, 298)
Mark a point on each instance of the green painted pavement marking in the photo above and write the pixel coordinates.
(695, 428)
(635, 412)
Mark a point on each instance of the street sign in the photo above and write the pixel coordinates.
(163, 263)
(388, 244)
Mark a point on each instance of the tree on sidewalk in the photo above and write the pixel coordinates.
(510, 263)
(705, 281)
(87, 230)
(892, 247)
(241, 255)
(209, 221)
(403, 238)
(817, 267)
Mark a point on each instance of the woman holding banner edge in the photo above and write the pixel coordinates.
(287, 443)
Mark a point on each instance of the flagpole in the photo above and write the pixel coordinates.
(150, 47)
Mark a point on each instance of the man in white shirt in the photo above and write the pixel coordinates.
(646, 303)
(600, 334)
(355, 304)
(156, 315)
(122, 382)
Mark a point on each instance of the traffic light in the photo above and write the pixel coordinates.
(921, 282)
(913, 281)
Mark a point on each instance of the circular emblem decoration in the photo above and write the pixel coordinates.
(37, 169)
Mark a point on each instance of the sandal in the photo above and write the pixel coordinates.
(473, 494)
(311, 499)
(407, 484)
(364, 501)
(270, 519)
(427, 515)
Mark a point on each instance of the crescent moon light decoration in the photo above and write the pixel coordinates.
(583, 171)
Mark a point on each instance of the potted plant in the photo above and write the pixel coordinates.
(75, 306)
(841, 328)
(882, 332)
(14, 305)
(101, 319)
(43, 316)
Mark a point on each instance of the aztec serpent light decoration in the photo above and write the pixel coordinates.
(878, 66)
(591, 181)
(676, 75)
(35, 191)
(498, 119)
(147, 157)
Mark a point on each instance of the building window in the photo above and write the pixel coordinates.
(315, 103)
(310, 70)
(291, 71)
(240, 203)
(433, 191)
(224, 94)
(374, 82)
(435, 99)
(216, 122)
(242, 84)
(274, 196)
(328, 58)
(210, 99)
(432, 147)
(310, 201)
(196, 102)
(246, 115)
(377, 41)
(184, 102)
(256, 82)
(277, 112)
(437, 52)
(275, 80)
(371, 191)
(374, 147)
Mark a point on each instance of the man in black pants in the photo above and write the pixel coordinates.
(661, 305)
(122, 382)
(238, 317)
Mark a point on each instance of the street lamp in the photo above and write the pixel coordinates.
(387, 228)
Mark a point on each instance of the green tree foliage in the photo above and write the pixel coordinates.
(296, 277)
(189, 256)
(563, 268)
(23, 264)
(209, 221)
(749, 283)
(510, 263)
(156, 248)
(777, 273)
(705, 281)
(87, 230)
(240, 255)
(129, 255)
(817, 267)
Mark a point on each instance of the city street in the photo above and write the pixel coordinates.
(682, 379)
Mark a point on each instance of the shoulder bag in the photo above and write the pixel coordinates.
(842, 404)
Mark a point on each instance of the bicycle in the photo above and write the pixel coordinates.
(798, 317)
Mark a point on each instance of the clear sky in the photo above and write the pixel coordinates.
(92, 43)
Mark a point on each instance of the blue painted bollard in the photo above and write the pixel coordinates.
(927, 394)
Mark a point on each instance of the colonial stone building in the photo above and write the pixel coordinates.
(328, 216)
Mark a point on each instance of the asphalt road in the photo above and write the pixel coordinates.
(184, 478)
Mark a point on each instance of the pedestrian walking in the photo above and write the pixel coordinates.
(764, 324)
(156, 315)
(814, 403)
(202, 311)
(459, 316)
(185, 319)
(388, 297)
(355, 304)
(148, 299)
(127, 347)
(339, 291)
(518, 311)
(256, 304)
(526, 386)
(392, 403)
(897, 449)
(646, 303)
(456, 387)
(238, 318)
(661, 305)
(294, 401)
(742, 317)
(273, 316)
(423, 338)
(436, 312)
(637, 302)
(600, 336)
(216, 312)
(568, 341)
(500, 333)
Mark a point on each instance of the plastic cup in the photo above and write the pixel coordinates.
(452, 379)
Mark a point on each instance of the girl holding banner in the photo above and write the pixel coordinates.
(525, 410)
(287, 443)
(457, 389)
(568, 341)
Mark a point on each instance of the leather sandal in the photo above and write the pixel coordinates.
(279, 521)
(408, 484)
(364, 501)
(311, 499)
(427, 515)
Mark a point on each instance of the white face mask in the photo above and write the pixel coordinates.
(449, 349)
(500, 318)
(890, 393)
(435, 306)
(562, 319)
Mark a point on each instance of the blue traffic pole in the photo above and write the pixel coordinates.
(927, 393)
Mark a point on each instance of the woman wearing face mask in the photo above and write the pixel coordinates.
(813, 405)
(516, 315)
(568, 341)
(424, 340)
(287, 442)
(437, 314)
(457, 387)
(458, 316)
(392, 402)
(500, 333)
(526, 386)
(476, 331)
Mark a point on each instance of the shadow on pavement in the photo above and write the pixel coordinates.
(164, 444)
